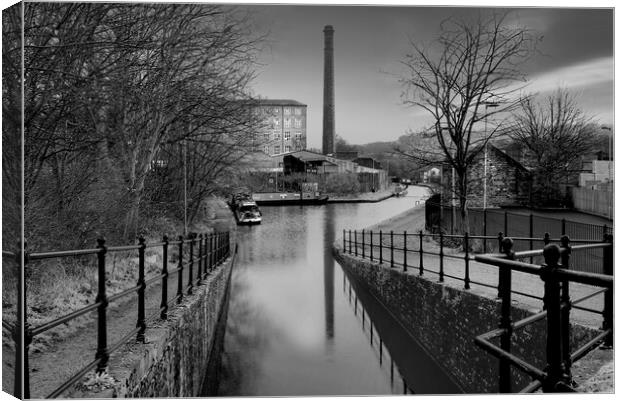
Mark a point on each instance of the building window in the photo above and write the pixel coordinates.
(276, 136)
(266, 136)
(276, 122)
(266, 149)
(287, 135)
(297, 123)
(287, 148)
(297, 111)
(287, 123)
(276, 110)
(287, 110)
(276, 149)
(298, 136)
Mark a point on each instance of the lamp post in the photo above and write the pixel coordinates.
(486, 107)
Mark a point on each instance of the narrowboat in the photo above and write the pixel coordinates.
(309, 195)
(245, 209)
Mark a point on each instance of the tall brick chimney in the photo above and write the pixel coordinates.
(329, 143)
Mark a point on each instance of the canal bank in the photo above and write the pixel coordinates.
(427, 308)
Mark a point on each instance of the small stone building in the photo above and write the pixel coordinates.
(508, 182)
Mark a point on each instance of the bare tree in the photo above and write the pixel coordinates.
(555, 134)
(107, 86)
(471, 66)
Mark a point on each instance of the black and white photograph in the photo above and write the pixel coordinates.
(245, 199)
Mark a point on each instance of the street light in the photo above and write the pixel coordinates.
(486, 107)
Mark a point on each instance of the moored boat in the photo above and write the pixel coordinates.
(309, 195)
(245, 209)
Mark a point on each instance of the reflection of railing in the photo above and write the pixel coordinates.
(372, 333)
(206, 250)
(556, 377)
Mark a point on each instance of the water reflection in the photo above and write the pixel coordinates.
(328, 272)
(416, 371)
(289, 332)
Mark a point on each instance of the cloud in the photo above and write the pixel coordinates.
(581, 75)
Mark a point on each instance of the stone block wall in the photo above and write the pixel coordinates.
(446, 320)
(175, 359)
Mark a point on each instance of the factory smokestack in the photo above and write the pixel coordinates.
(328, 93)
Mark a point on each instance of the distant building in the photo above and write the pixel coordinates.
(597, 174)
(284, 126)
(367, 162)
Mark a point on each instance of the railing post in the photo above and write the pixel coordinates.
(381, 246)
(391, 248)
(484, 232)
(350, 243)
(211, 251)
(506, 224)
(371, 248)
(565, 252)
(555, 369)
(608, 310)
(199, 273)
(563, 226)
(531, 236)
(466, 245)
(505, 323)
(355, 239)
(440, 256)
(142, 286)
(404, 251)
(21, 333)
(192, 238)
(180, 272)
(363, 244)
(164, 281)
(500, 240)
(102, 338)
(421, 254)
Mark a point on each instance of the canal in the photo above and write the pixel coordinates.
(294, 325)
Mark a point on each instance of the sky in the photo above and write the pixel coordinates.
(370, 43)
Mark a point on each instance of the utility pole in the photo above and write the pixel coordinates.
(185, 187)
(486, 107)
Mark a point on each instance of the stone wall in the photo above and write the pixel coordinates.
(176, 356)
(446, 320)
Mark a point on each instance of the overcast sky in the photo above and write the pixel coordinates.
(370, 43)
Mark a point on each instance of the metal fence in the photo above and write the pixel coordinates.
(380, 247)
(520, 227)
(204, 252)
(556, 274)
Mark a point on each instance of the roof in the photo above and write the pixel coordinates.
(306, 156)
(277, 102)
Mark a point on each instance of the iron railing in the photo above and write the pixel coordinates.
(205, 251)
(556, 274)
(365, 244)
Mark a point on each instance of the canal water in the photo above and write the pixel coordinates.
(294, 325)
